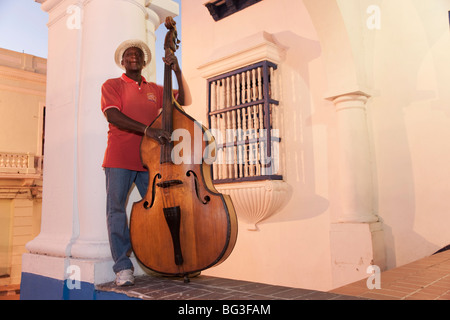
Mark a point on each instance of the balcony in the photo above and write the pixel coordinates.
(20, 175)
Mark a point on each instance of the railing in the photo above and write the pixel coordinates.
(20, 163)
(243, 117)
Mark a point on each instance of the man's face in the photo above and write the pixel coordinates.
(133, 59)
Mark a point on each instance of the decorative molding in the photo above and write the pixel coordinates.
(22, 66)
(27, 192)
(256, 201)
(137, 4)
(47, 5)
(246, 51)
(348, 92)
(351, 100)
(162, 9)
(22, 75)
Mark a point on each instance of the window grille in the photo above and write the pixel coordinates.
(243, 117)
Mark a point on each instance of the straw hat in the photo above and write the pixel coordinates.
(134, 43)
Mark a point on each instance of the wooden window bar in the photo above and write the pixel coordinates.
(243, 117)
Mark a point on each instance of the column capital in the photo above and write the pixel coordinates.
(350, 100)
(47, 5)
(162, 9)
(351, 95)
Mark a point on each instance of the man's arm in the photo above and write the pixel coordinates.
(184, 94)
(123, 122)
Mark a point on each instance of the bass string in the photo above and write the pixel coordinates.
(164, 191)
(168, 197)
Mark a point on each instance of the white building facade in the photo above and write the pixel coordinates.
(358, 125)
(22, 109)
(73, 243)
(361, 107)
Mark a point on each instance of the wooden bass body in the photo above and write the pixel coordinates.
(182, 225)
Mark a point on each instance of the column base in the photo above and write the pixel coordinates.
(83, 249)
(64, 278)
(355, 247)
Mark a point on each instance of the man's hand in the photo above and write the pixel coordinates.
(121, 121)
(172, 61)
(159, 135)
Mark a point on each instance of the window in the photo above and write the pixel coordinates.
(243, 117)
(220, 9)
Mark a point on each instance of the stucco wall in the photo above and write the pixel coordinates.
(396, 52)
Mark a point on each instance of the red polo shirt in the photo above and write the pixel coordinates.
(141, 103)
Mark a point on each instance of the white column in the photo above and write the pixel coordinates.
(83, 36)
(355, 168)
(153, 22)
(356, 238)
(101, 35)
(157, 11)
(59, 225)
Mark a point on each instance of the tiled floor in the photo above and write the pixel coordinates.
(212, 288)
(424, 279)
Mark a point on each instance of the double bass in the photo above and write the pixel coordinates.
(183, 225)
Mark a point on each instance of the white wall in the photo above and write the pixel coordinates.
(291, 247)
(404, 66)
(411, 127)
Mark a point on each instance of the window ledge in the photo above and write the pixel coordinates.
(256, 201)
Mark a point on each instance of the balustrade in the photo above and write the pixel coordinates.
(19, 163)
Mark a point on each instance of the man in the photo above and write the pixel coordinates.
(130, 105)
